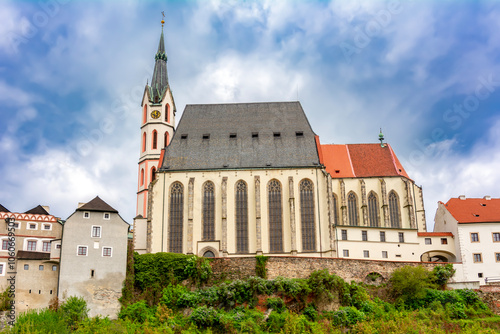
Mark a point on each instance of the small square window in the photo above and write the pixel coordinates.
(206, 136)
(86, 215)
(382, 236)
(384, 254)
(5, 244)
(497, 257)
(277, 134)
(428, 241)
(26, 267)
(299, 134)
(54, 268)
(46, 246)
(444, 241)
(366, 253)
(96, 231)
(401, 237)
(398, 255)
(364, 235)
(480, 275)
(184, 136)
(232, 135)
(478, 258)
(32, 226)
(496, 237)
(255, 135)
(40, 267)
(344, 234)
(345, 252)
(82, 250)
(474, 237)
(58, 246)
(47, 227)
(106, 215)
(106, 251)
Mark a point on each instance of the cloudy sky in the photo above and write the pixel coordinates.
(72, 74)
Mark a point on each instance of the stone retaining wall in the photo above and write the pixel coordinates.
(302, 267)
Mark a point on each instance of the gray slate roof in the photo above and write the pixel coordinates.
(38, 210)
(220, 122)
(3, 208)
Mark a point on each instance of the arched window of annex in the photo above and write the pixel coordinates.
(142, 176)
(165, 138)
(153, 173)
(176, 218)
(308, 228)
(208, 252)
(373, 212)
(352, 208)
(275, 216)
(144, 142)
(335, 204)
(145, 114)
(208, 211)
(167, 113)
(394, 215)
(241, 218)
(155, 140)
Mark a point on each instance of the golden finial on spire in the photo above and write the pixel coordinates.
(162, 20)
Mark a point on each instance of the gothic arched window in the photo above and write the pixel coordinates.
(394, 209)
(144, 142)
(153, 173)
(352, 209)
(176, 218)
(142, 176)
(373, 210)
(275, 217)
(208, 211)
(145, 114)
(307, 215)
(335, 209)
(155, 139)
(241, 209)
(165, 139)
(167, 113)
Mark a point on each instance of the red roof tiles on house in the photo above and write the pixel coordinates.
(474, 210)
(435, 234)
(361, 160)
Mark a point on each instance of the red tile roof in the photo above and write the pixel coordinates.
(474, 210)
(435, 234)
(361, 160)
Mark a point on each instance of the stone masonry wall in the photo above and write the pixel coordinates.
(302, 267)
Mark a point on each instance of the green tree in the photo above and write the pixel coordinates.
(408, 284)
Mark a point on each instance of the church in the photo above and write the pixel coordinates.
(247, 179)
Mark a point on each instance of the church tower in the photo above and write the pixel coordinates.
(157, 125)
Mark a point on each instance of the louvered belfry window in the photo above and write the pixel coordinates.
(373, 210)
(176, 218)
(208, 211)
(275, 217)
(394, 209)
(307, 216)
(352, 208)
(335, 210)
(241, 217)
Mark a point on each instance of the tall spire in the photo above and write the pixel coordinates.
(159, 82)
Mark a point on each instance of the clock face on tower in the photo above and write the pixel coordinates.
(155, 114)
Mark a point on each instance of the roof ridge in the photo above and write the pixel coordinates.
(350, 160)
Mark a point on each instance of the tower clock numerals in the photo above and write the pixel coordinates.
(155, 114)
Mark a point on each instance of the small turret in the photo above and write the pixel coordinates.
(381, 138)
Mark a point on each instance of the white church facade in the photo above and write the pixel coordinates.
(246, 179)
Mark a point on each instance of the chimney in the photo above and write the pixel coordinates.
(462, 197)
(80, 204)
(488, 198)
(46, 208)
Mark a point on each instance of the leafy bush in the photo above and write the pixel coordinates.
(310, 312)
(441, 274)
(43, 321)
(74, 310)
(276, 303)
(139, 312)
(171, 295)
(347, 316)
(408, 284)
(198, 269)
(205, 316)
(260, 266)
